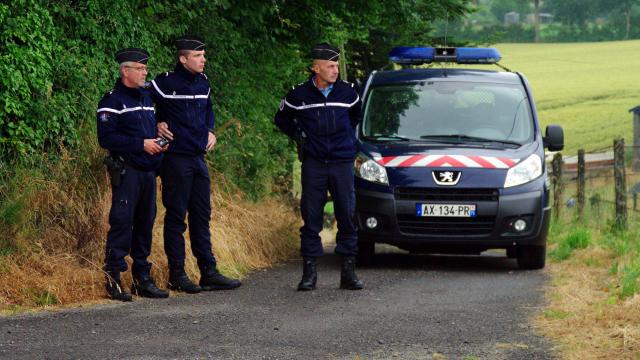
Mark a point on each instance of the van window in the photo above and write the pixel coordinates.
(495, 112)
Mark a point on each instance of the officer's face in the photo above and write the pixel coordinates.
(194, 61)
(134, 75)
(326, 70)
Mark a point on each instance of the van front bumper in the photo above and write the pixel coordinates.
(493, 227)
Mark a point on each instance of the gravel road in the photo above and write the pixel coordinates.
(413, 307)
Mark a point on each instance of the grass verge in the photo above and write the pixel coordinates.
(593, 307)
(54, 225)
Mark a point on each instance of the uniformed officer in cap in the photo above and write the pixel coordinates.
(321, 115)
(127, 128)
(185, 117)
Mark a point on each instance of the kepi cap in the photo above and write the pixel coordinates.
(132, 54)
(190, 42)
(324, 51)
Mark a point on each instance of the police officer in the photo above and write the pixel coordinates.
(185, 115)
(127, 128)
(321, 115)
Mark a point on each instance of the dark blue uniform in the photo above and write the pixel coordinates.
(183, 102)
(125, 119)
(328, 128)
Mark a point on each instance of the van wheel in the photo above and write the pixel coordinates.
(366, 251)
(531, 257)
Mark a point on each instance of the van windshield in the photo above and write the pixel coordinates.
(449, 111)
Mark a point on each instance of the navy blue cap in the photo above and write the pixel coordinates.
(325, 51)
(132, 54)
(190, 42)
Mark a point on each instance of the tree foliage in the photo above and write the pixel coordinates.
(572, 12)
(57, 61)
(501, 7)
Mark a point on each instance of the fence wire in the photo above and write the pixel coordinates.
(602, 185)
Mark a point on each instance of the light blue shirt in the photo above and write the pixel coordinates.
(324, 91)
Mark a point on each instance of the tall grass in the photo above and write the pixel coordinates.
(54, 220)
(577, 238)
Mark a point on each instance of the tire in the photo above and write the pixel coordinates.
(531, 257)
(366, 252)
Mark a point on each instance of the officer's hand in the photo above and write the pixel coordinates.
(164, 148)
(151, 147)
(211, 142)
(163, 130)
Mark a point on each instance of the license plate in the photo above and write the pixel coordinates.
(446, 210)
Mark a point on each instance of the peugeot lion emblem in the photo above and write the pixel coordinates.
(446, 177)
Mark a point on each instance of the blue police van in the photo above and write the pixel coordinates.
(451, 158)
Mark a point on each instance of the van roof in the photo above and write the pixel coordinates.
(468, 75)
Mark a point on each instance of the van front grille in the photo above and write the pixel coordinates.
(443, 194)
(418, 225)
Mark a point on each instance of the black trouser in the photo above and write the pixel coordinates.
(133, 211)
(337, 178)
(186, 188)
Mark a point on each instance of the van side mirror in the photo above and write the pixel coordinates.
(554, 138)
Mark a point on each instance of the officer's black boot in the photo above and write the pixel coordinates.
(179, 281)
(211, 279)
(145, 287)
(348, 278)
(114, 287)
(309, 274)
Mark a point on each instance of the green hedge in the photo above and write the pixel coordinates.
(56, 60)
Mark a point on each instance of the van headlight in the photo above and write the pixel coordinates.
(525, 171)
(368, 169)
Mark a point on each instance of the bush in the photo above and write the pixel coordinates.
(57, 58)
(577, 238)
(57, 61)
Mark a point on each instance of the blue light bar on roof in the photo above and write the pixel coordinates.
(412, 55)
(467, 55)
(426, 55)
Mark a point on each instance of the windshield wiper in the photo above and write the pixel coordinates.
(507, 142)
(462, 138)
(389, 137)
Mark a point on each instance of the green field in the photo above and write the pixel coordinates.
(588, 88)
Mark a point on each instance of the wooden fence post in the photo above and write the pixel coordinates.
(620, 181)
(558, 185)
(581, 183)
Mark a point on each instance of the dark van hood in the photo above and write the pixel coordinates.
(412, 164)
(392, 151)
